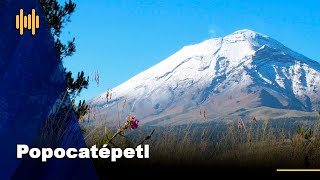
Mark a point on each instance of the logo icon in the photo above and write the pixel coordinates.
(30, 22)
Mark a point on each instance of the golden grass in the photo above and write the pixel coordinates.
(259, 145)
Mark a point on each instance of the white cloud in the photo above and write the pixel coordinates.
(212, 33)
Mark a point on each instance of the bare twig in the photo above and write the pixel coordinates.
(147, 138)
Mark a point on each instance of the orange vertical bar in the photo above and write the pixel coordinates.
(33, 29)
(17, 21)
(37, 22)
(21, 21)
(29, 21)
(25, 22)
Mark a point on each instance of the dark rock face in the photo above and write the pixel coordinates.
(32, 83)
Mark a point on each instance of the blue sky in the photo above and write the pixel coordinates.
(120, 38)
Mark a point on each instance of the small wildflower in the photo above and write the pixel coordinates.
(134, 123)
(131, 123)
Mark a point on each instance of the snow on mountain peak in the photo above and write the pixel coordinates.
(249, 33)
(245, 68)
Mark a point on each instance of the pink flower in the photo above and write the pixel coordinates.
(134, 123)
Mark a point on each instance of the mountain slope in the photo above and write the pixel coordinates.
(221, 76)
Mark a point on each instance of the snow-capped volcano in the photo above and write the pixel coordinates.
(240, 72)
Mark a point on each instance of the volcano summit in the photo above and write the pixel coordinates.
(243, 74)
